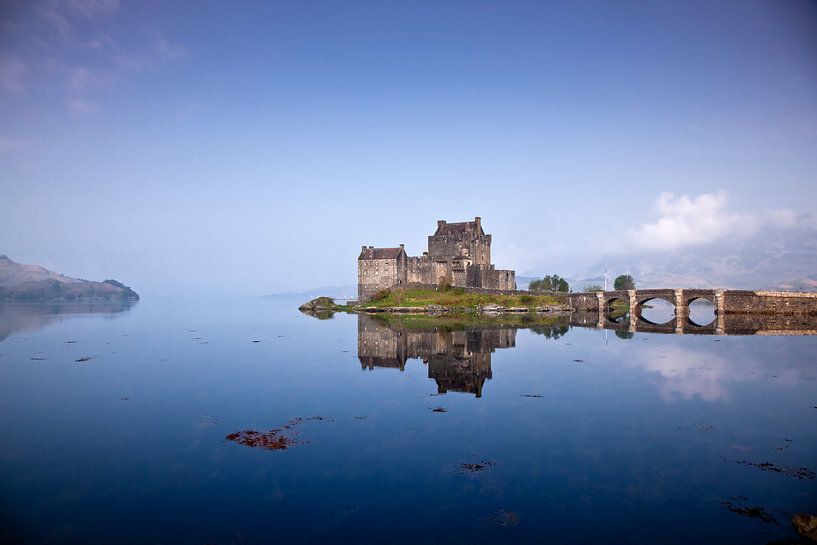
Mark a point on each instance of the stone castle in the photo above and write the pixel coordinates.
(459, 254)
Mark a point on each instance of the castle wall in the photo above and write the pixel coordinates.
(469, 244)
(374, 275)
(486, 276)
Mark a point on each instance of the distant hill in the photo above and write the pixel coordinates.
(30, 283)
(338, 293)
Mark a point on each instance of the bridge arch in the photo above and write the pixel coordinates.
(607, 301)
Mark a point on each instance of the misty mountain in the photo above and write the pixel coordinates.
(345, 292)
(775, 258)
(19, 282)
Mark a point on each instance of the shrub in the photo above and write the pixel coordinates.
(381, 294)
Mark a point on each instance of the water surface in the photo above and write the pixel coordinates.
(428, 433)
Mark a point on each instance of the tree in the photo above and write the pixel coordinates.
(552, 282)
(591, 289)
(624, 282)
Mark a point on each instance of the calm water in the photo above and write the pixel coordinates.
(576, 435)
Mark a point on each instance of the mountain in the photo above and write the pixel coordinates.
(29, 283)
(339, 293)
(784, 259)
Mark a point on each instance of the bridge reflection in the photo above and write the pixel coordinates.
(683, 324)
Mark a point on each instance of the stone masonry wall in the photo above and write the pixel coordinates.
(769, 302)
(486, 276)
(374, 275)
(445, 247)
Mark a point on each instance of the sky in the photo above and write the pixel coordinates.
(253, 147)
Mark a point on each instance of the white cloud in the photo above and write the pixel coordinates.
(685, 221)
(789, 219)
(12, 73)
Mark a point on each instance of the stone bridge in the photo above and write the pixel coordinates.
(736, 311)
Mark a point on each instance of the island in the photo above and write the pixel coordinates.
(33, 283)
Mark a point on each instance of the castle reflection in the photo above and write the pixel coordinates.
(458, 359)
(457, 350)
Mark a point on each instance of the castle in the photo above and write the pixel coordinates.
(459, 254)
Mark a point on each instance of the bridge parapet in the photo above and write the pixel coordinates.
(725, 301)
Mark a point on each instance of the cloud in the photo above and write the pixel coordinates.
(685, 221)
(789, 219)
(12, 73)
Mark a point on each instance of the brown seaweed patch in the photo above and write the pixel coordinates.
(798, 473)
(275, 439)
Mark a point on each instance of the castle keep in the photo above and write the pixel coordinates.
(459, 254)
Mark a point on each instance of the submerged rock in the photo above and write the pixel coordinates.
(806, 525)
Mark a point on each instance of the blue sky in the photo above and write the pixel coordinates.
(254, 147)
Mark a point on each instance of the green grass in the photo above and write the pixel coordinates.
(458, 298)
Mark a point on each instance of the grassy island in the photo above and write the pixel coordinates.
(443, 300)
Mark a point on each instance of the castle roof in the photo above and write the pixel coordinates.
(380, 253)
(458, 228)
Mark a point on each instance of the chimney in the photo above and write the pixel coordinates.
(364, 248)
(403, 247)
(440, 223)
(478, 221)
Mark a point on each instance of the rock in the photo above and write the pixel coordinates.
(436, 309)
(319, 303)
(490, 308)
(806, 525)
